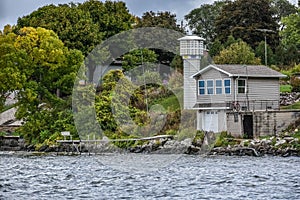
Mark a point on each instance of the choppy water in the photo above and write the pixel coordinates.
(138, 176)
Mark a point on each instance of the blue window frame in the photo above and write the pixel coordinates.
(227, 86)
(219, 86)
(210, 86)
(201, 87)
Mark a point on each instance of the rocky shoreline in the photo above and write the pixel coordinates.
(275, 146)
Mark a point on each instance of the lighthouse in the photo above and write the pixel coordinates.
(191, 50)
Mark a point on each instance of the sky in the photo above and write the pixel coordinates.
(10, 10)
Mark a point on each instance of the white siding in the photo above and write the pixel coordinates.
(262, 93)
(191, 67)
(219, 98)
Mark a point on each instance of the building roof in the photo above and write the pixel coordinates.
(191, 37)
(243, 70)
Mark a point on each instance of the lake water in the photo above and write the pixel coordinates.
(142, 176)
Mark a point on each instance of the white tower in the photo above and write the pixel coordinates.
(191, 50)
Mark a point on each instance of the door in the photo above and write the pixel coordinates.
(211, 121)
(248, 126)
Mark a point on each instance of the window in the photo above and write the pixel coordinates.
(218, 86)
(201, 87)
(210, 86)
(227, 86)
(241, 86)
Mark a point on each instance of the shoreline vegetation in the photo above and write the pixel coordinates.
(286, 144)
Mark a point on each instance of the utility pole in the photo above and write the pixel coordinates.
(266, 53)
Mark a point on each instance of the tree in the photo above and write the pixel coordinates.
(243, 18)
(50, 70)
(202, 20)
(159, 19)
(282, 8)
(215, 48)
(73, 26)
(237, 53)
(260, 52)
(112, 17)
(163, 20)
(11, 63)
(290, 34)
(138, 57)
(177, 63)
(82, 26)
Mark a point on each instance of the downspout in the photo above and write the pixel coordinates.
(235, 89)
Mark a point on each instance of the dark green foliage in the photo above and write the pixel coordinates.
(237, 53)
(41, 126)
(202, 20)
(159, 19)
(224, 139)
(138, 57)
(242, 18)
(165, 20)
(260, 53)
(282, 8)
(295, 82)
(177, 63)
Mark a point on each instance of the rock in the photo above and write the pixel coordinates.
(288, 139)
(280, 142)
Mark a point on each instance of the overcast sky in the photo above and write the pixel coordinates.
(10, 10)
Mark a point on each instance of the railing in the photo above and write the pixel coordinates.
(251, 105)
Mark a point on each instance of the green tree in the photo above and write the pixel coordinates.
(73, 26)
(202, 20)
(260, 52)
(282, 8)
(112, 17)
(291, 34)
(243, 18)
(215, 48)
(237, 53)
(108, 107)
(11, 63)
(138, 57)
(163, 20)
(82, 26)
(177, 63)
(50, 70)
(159, 19)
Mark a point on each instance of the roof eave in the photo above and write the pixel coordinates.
(259, 76)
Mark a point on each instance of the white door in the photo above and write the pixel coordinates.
(211, 121)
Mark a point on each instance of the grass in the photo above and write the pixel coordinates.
(7, 107)
(293, 106)
(170, 103)
(285, 88)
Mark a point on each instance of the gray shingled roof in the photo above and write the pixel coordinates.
(244, 70)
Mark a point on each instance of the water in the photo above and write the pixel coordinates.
(139, 176)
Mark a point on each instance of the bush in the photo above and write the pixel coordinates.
(295, 82)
